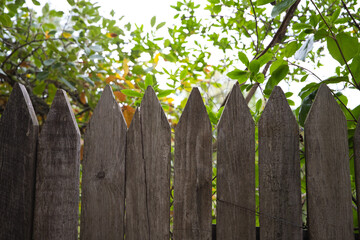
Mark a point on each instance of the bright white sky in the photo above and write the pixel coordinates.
(141, 12)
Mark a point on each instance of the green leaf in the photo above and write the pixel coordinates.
(160, 25)
(36, 3)
(281, 7)
(336, 79)
(183, 74)
(321, 33)
(263, 2)
(42, 75)
(71, 2)
(254, 66)
(131, 93)
(148, 80)
(290, 49)
(305, 107)
(309, 88)
(96, 56)
(243, 58)
(49, 62)
(96, 48)
(217, 9)
(349, 47)
(153, 21)
(68, 84)
(5, 20)
(265, 58)
(280, 73)
(288, 94)
(258, 105)
(239, 75)
(355, 67)
(164, 93)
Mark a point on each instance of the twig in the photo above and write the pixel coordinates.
(347, 10)
(337, 44)
(256, 28)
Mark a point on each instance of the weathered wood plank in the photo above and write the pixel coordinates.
(18, 138)
(235, 209)
(279, 171)
(357, 165)
(148, 172)
(193, 172)
(327, 170)
(57, 174)
(137, 219)
(103, 176)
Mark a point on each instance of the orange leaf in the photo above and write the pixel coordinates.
(110, 79)
(66, 34)
(83, 98)
(47, 36)
(129, 83)
(128, 113)
(120, 96)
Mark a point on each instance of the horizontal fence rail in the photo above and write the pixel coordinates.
(126, 173)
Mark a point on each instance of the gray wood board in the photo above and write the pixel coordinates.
(327, 170)
(156, 155)
(193, 172)
(235, 209)
(57, 174)
(103, 176)
(137, 219)
(357, 165)
(18, 138)
(279, 171)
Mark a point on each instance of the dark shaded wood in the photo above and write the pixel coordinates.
(235, 209)
(193, 172)
(103, 176)
(148, 172)
(279, 171)
(357, 165)
(137, 219)
(18, 137)
(327, 170)
(57, 174)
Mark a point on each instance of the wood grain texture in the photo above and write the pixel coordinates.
(193, 172)
(357, 165)
(235, 209)
(327, 170)
(57, 174)
(279, 171)
(103, 176)
(18, 138)
(137, 219)
(148, 172)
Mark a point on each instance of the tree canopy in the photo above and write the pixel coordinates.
(259, 43)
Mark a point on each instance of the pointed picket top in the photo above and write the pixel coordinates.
(278, 108)
(236, 170)
(156, 147)
(57, 174)
(18, 128)
(235, 103)
(279, 171)
(193, 171)
(61, 113)
(327, 170)
(137, 218)
(103, 178)
(194, 105)
(324, 102)
(357, 163)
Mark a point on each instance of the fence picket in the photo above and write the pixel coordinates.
(156, 149)
(57, 174)
(327, 170)
(137, 221)
(193, 172)
(18, 128)
(279, 171)
(357, 165)
(235, 209)
(103, 177)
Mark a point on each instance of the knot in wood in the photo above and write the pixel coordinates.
(100, 174)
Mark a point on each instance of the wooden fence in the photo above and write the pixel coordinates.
(39, 173)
